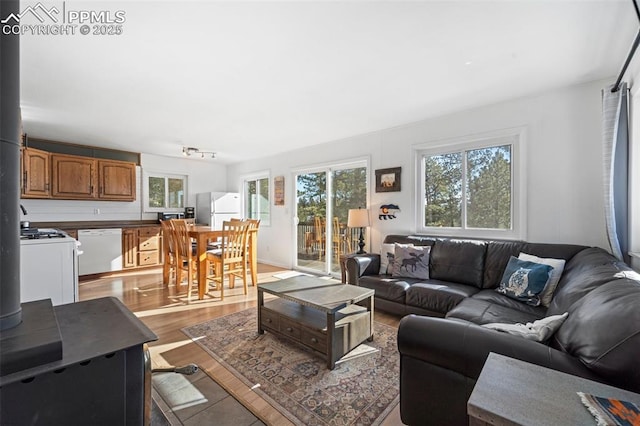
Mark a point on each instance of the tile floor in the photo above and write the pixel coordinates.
(197, 400)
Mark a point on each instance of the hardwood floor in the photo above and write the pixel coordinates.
(166, 310)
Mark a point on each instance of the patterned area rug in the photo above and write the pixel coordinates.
(359, 391)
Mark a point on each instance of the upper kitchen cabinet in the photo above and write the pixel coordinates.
(73, 177)
(62, 171)
(35, 174)
(116, 180)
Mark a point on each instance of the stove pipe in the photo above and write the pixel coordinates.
(10, 309)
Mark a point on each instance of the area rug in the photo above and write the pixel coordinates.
(360, 391)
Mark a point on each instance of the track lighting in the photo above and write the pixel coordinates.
(187, 151)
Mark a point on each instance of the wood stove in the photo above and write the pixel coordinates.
(100, 379)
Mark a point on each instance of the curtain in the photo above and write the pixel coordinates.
(615, 141)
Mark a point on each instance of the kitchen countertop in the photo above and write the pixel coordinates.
(99, 224)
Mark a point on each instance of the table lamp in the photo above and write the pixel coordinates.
(358, 218)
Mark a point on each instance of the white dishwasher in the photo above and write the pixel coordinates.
(102, 250)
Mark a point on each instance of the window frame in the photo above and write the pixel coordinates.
(256, 177)
(518, 229)
(166, 176)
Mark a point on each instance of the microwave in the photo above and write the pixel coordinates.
(168, 216)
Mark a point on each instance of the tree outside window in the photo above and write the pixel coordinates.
(164, 192)
(469, 189)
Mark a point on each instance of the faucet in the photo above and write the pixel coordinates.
(24, 211)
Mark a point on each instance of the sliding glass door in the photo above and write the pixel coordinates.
(323, 199)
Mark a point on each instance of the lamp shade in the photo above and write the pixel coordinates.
(358, 218)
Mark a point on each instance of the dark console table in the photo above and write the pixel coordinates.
(100, 378)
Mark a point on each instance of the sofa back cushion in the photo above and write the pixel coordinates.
(458, 261)
(498, 255)
(603, 331)
(499, 252)
(416, 240)
(587, 270)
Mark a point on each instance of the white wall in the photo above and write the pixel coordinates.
(563, 154)
(203, 175)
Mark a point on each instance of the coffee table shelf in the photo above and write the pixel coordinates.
(330, 318)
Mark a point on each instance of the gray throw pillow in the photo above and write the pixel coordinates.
(411, 261)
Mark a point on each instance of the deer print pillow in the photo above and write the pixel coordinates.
(524, 281)
(411, 261)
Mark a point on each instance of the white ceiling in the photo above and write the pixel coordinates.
(249, 79)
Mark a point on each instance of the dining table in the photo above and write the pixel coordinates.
(202, 234)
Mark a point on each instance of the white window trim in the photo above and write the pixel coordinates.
(146, 174)
(266, 174)
(518, 229)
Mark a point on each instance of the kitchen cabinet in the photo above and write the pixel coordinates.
(116, 180)
(149, 246)
(129, 248)
(141, 247)
(73, 177)
(35, 174)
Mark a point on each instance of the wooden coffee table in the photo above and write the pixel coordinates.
(329, 317)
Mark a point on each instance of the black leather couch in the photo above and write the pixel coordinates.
(443, 348)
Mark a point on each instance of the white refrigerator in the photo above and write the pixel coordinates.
(213, 208)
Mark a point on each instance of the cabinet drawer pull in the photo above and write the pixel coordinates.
(289, 329)
(268, 320)
(314, 340)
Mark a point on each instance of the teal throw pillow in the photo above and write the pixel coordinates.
(524, 281)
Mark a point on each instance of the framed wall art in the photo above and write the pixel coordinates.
(388, 180)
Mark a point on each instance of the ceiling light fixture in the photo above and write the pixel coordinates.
(188, 151)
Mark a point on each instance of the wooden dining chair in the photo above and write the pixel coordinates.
(318, 229)
(252, 249)
(337, 239)
(230, 259)
(169, 264)
(185, 259)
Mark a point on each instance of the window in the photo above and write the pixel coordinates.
(256, 199)
(164, 192)
(472, 189)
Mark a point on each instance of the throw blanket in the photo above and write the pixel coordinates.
(611, 412)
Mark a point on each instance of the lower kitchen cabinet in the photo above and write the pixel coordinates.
(129, 248)
(141, 247)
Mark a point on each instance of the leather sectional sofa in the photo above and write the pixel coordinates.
(443, 345)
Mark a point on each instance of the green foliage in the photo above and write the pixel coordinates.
(488, 188)
(443, 190)
(349, 188)
(156, 192)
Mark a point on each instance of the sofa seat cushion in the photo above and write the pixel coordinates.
(387, 287)
(494, 297)
(480, 312)
(438, 296)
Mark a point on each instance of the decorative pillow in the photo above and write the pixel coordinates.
(539, 330)
(524, 281)
(411, 261)
(387, 253)
(554, 278)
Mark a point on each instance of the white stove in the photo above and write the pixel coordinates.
(48, 266)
